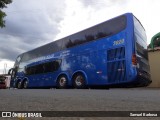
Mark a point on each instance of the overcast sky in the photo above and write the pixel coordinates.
(32, 23)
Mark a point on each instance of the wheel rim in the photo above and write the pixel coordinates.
(62, 81)
(79, 81)
(19, 84)
(25, 84)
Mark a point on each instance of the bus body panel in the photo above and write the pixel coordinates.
(104, 61)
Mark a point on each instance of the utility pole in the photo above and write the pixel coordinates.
(5, 67)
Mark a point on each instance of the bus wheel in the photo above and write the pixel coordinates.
(79, 81)
(62, 82)
(19, 86)
(25, 84)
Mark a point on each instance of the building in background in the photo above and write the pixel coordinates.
(154, 60)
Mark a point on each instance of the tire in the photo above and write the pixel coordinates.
(62, 82)
(19, 86)
(79, 81)
(25, 84)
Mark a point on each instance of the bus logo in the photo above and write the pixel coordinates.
(6, 114)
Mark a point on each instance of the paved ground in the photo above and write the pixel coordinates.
(137, 99)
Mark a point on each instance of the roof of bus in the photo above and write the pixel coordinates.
(76, 32)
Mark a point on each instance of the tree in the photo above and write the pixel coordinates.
(3, 4)
(155, 41)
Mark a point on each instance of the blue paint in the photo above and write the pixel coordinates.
(105, 61)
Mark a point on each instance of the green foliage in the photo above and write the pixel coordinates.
(155, 41)
(3, 4)
(2, 22)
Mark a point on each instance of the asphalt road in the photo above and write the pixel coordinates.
(135, 99)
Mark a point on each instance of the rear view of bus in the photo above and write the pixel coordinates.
(128, 64)
(140, 55)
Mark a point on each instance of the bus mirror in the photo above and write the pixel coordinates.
(10, 71)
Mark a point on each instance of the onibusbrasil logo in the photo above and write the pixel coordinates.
(21, 115)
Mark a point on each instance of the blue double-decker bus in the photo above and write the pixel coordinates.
(112, 53)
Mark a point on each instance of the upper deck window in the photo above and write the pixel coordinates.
(96, 32)
(102, 30)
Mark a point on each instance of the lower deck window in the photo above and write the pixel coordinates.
(43, 68)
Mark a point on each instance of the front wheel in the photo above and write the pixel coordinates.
(79, 81)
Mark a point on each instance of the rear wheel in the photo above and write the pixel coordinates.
(19, 86)
(79, 81)
(62, 82)
(25, 84)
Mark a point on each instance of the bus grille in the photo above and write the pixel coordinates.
(116, 65)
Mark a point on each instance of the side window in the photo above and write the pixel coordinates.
(48, 67)
(34, 69)
(30, 70)
(27, 70)
(56, 64)
(52, 66)
(39, 69)
(104, 29)
(43, 68)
